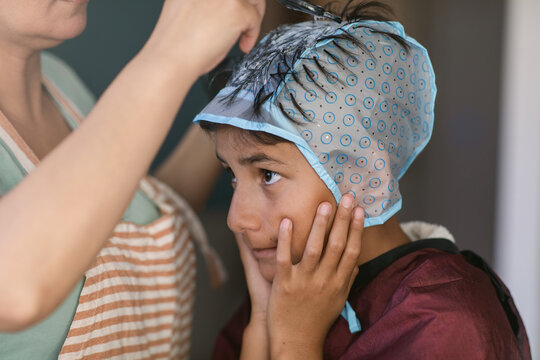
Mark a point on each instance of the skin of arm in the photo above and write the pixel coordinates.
(49, 235)
(192, 169)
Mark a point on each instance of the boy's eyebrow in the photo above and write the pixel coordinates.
(256, 158)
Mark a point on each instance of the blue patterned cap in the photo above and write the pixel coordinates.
(356, 102)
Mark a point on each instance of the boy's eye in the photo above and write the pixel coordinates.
(270, 177)
(231, 174)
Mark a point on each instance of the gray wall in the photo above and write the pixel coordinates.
(451, 183)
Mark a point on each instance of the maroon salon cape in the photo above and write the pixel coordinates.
(422, 300)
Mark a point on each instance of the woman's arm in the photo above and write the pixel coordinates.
(57, 219)
(192, 169)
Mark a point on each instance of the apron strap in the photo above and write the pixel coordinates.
(155, 190)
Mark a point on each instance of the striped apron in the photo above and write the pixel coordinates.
(137, 298)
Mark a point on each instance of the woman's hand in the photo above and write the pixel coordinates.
(306, 298)
(200, 33)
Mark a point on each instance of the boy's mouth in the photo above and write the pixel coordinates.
(265, 253)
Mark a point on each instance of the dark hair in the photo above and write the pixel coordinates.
(260, 137)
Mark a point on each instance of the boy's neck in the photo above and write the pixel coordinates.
(376, 240)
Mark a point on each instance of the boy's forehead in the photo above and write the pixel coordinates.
(229, 139)
(232, 137)
(234, 144)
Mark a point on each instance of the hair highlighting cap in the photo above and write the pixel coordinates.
(356, 98)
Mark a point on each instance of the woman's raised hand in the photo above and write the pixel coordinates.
(199, 33)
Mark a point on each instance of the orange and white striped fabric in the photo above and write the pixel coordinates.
(137, 299)
(138, 295)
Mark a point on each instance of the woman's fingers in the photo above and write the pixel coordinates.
(316, 238)
(220, 23)
(255, 11)
(349, 258)
(250, 35)
(283, 252)
(260, 6)
(338, 237)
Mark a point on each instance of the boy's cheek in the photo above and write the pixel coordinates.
(301, 232)
(298, 244)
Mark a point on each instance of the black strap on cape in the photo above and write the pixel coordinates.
(371, 269)
(502, 292)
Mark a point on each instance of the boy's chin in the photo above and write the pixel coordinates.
(268, 271)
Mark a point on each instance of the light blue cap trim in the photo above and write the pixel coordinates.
(281, 127)
(381, 219)
(350, 316)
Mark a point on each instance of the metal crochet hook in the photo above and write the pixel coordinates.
(311, 9)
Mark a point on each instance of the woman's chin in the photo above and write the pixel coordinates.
(69, 23)
(74, 28)
(54, 37)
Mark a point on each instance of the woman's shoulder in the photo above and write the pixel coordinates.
(66, 80)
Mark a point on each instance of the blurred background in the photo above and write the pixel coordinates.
(479, 176)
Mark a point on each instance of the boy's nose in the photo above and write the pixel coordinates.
(243, 214)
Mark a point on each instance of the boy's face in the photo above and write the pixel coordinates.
(270, 182)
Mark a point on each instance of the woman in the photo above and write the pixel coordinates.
(56, 222)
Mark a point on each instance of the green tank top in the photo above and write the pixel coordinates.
(44, 340)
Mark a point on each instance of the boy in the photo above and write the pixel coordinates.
(321, 109)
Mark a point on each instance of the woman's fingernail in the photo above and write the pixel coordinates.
(325, 209)
(285, 224)
(347, 201)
